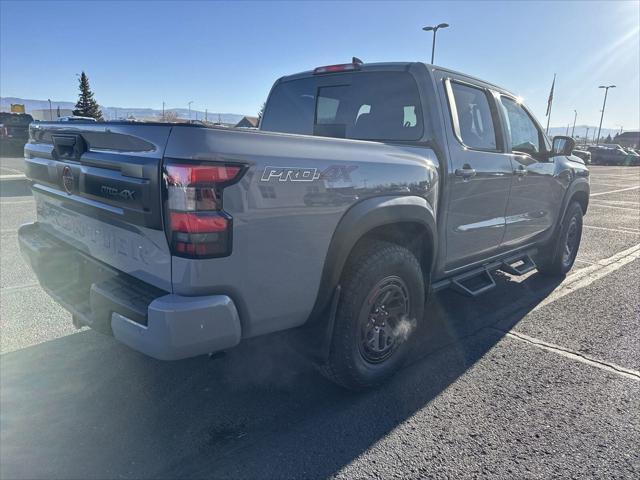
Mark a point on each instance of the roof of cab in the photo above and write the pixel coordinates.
(398, 66)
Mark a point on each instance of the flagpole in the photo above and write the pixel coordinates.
(550, 103)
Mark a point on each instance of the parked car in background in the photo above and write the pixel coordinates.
(14, 132)
(583, 154)
(610, 155)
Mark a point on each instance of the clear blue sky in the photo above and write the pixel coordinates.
(225, 56)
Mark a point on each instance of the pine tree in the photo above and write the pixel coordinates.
(261, 112)
(87, 106)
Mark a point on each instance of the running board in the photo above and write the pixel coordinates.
(473, 283)
(518, 265)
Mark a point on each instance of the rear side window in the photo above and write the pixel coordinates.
(364, 106)
(475, 121)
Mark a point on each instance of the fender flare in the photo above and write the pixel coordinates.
(580, 184)
(355, 223)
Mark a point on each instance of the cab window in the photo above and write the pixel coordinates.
(525, 135)
(475, 121)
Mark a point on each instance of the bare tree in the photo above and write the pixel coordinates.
(169, 116)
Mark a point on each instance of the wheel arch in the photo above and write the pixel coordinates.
(393, 219)
(578, 191)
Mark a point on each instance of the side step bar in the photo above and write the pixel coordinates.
(478, 281)
(473, 283)
(518, 265)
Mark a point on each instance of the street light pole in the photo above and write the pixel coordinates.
(575, 116)
(50, 110)
(434, 30)
(604, 104)
(190, 110)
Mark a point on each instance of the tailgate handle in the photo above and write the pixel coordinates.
(68, 146)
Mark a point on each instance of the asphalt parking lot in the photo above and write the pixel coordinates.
(536, 379)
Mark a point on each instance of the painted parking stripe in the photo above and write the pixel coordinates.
(586, 276)
(600, 205)
(572, 354)
(18, 288)
(615, 191)
(617, 230)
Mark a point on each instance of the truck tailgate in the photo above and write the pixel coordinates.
(98, 188)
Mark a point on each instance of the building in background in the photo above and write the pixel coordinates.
(248, 122)
(628, 139)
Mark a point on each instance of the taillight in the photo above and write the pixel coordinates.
(197, 225)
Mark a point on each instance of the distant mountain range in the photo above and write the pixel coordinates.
(113, 113)
(581, 130)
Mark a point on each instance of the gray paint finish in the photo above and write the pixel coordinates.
(282, 229)
(302, 204)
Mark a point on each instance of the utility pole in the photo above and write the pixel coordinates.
(206, 115)
(433, 43)
(50, 110)
(575, 116)
(604, 104)
(190, 110)
(163, 118)
(586, 136)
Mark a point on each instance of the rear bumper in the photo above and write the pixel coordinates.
(159, 324)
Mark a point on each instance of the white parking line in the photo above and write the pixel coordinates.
(572, 354)
(16, 202)
(603, 201)
(586, 276)
(615, 191)
(594, 204)
(617, 230)
(17, 288)
(12, 176)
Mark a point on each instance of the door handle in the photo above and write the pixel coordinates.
(466, 171)
(521, 171)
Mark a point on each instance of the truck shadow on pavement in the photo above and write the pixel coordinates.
(84, 406)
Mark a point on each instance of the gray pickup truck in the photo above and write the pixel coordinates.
(366, 187)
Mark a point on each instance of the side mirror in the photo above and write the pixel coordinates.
(562, 145)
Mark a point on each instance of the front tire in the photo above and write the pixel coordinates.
(562, 252)
(382, 301)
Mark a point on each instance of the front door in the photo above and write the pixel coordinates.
(480, 175)
(536, 195)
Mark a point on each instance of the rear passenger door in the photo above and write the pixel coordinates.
(479, 173)
(536, 195)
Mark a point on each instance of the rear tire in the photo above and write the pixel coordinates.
(382, 301)
(562, 250)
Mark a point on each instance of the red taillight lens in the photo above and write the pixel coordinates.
(197, 225)
(343, 67)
